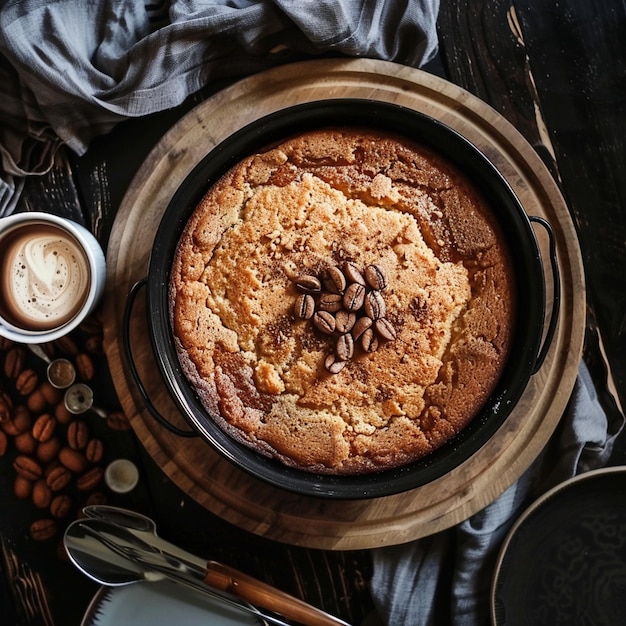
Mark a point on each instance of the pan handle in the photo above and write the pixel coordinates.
(556, 300)
(130, 301)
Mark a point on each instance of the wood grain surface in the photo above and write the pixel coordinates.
(234, 495)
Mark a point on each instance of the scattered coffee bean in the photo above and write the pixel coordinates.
(345, 321)
(352, 274)
(47, 451)
(58, 478)
(22, 487)
(330, 302)
(4, 443)
(44, 426)
(344, 348)
(78, 434)
(304, 306)
(6, 407)
(41, 494)
(333, 364)
(14, 362)
(74, 460)
(308, 284)
(117, 420)
(60, 506)
(26, 382)
(334, 280)
(385, 329)
(84, 366)
(369, 341)
(43, 529)
(354, 296)
(375, 305)
(90, 479)
(94, 451)
(324, 322)
(360, 326)
(376, 276)
(27, 468)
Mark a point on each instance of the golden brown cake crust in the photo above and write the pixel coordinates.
(316, 201)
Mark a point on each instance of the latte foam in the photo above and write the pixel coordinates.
(45, 277)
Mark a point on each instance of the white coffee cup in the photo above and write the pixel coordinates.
(52, 275)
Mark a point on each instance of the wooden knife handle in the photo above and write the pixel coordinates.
(265, 596)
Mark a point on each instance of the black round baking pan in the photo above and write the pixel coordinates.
(531, 340)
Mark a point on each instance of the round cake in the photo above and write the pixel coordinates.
(343, 302)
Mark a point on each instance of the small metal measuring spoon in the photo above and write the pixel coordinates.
(79, 399)
(61, 372)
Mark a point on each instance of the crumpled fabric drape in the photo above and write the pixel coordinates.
(412, 585)
(70, 70)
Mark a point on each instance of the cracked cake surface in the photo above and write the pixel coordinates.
(322, 200)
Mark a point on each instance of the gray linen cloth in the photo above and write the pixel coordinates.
(446, 578)
(70, 70)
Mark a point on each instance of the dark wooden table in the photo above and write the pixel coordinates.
(557, 71)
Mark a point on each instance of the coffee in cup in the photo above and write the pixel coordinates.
(52, 273)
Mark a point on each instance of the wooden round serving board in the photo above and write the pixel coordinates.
(246, 501)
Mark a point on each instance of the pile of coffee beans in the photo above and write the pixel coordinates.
(348, 305)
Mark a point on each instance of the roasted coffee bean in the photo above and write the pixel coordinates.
(344, 348)
(90, 480)
(5, 343)
(22, 487)
(20, 422)
(78, 434)
(26, 382)
(334, 280)
(344, 321)
(48, 450)
(330, 302)
(304, 306)
(93, 344)
(308, 284)
(67, 345)
(14, 362)
(116, 420)
(354, 297)
(62, 414)
(376, 276)
(27, 468)
(43, 529)
(385, 329)
(50, 393)
(74, 460)
(25, 443)
(97, 497)
(324, 322)
(352, 274)
(44, 426)
(333, 364)
(4, 443)
(360, 326)
(36, 401)
(42, 494)
(84, 366)
(60, 506)
(369, 341)
(6, 407)
(374, 305)
(94, 451)
(58, 478)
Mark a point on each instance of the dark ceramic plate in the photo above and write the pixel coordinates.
(515, 223)
(564, 561)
